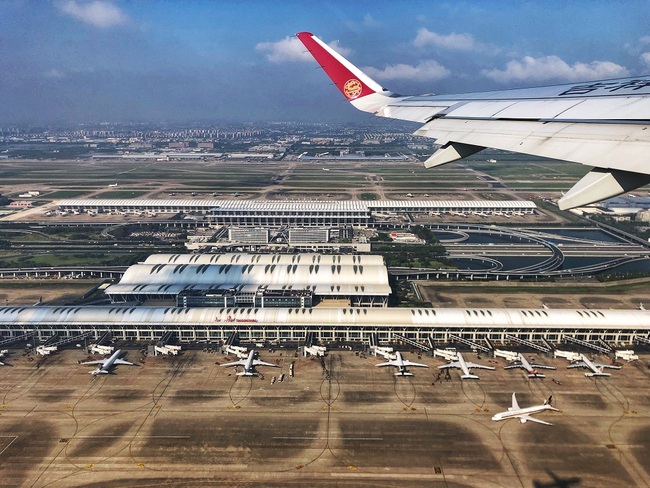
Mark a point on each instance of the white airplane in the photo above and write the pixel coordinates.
(601, 124)
(465, 367)
(3, 353)
(596, 369)
(531, 369)
(249, 364)
(401, 364)
(106, 365)
(524, 414)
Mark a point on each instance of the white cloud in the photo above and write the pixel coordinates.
(426, 70)
(100, 13)
(54, 74)
(644, 40)
(291, 49)
(553, 67)
(645, 57)
(461, 42)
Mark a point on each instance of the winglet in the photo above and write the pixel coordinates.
(356, 86)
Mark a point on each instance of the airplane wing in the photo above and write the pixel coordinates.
(241, 362)
(528, 418)
(122, 361)
(514, 366)
(387, 363)
(580, 364)
(610, 366)
(477, 366)
(601, 124)
(453, 364)
(411, 363)
(515, 404)
(257, 362)
(99, 361)
(542, 366)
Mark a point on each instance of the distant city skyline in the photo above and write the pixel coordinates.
(79, 61)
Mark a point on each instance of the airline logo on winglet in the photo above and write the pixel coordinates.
(352, 88)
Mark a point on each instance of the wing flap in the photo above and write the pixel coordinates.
(612, 146)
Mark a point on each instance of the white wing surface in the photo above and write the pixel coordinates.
(601, 124)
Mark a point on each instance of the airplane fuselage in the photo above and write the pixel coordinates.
(522, 411)
(108, 364)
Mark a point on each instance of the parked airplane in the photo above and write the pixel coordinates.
(524, 414)
(249, 364)
(531, 369)
(465, 367)
(3, 353)
(595, 368)
(107, 365)
(401, 365)
(599, 124)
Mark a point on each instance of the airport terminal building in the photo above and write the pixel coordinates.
(256, 280)
(279, 213)
(352, 325)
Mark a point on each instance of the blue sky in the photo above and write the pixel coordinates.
(77, 61)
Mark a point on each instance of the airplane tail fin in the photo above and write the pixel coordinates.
(549, 400)
(356, 86)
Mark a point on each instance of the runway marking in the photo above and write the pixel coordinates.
(128, 436)
(329, 437)
(12, 441)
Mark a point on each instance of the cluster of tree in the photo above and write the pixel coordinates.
(4, 201)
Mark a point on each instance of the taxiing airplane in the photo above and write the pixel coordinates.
(531, 369)
(465, 367)
(249, 364)
(596, 369)
(601, 124)
(524, 414)
(107, 365)
(401, 364)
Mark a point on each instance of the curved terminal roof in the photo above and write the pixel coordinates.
(323, 274)
(281, 259)
(400, 318)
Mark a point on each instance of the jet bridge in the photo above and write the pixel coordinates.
(166, 345)
(637, 339)
(545, 348)
(53, 343)
(473, 345)
(590, 345)
(411, 342)
(311, 349)
(26, 337)
(102, 345)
